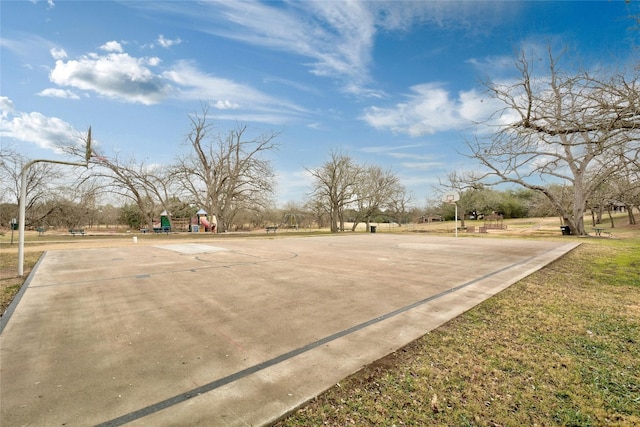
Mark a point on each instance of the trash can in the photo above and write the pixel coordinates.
(373, 228)
(566, 230)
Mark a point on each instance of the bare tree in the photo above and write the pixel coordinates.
(40, 180)
(317, 211)
(146, 186)
(335, 186)
(399, 205)
(567, 128)
(625, 188)
(374, 190)
(226, 173)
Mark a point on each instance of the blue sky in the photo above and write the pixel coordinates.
(397, 84)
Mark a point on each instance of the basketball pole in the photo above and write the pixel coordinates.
(456, 218)
(23, 196)
(452, 198)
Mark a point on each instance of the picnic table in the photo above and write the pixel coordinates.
(598, 231)
(272, 228)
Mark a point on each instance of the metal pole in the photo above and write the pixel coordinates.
(22, 207)
(21, 214)
(456, 219)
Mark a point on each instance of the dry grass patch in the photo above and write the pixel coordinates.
(558, 348)
(10, 283)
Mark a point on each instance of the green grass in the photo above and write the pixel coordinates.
(561, 347)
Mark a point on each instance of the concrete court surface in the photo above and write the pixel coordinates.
(232, 332)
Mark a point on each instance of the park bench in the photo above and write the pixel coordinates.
(144, 230)
(600, 231)
(162, 229)
(40, 231)
(272, 228)
(74, 231)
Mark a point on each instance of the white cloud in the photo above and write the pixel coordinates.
(46, 132)
(167, 43)
(493, 65)
(193, 84)
(57, 53)
(388, 148)
(413, 156)
(430, 108)
(294, 84)
(6, 106)
(58, 93)
(115, 75)
(423, 166)
(112, 46)
(336, 36)
(226, 105)
(141, 80)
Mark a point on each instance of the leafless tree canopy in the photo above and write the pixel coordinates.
(577, 129)
(39, 179)
(375, 190)
(341, 183)
(334, 186)
(226, 173)
(147, 186)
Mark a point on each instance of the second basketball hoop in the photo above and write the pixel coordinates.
(451, 197)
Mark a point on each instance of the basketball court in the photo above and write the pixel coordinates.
(232, 332)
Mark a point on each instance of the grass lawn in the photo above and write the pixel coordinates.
(561, 347)
(9, 283)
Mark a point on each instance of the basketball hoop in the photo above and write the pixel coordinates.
(451, 198)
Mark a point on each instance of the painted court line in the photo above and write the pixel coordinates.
(148, 410)
(191, 248)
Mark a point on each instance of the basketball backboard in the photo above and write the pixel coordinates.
(451, 197)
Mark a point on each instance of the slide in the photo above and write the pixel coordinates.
(206, 224)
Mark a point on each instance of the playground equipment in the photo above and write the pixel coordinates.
(204, 222)
(290, 220)
(165, 223)
(180, 224)
(494, 222)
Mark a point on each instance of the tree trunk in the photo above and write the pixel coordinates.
(333, 218)
(632, 218)
(599, 219)
(610, 217)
